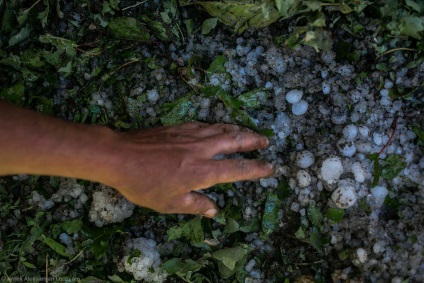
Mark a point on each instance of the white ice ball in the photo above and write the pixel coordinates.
(331, 169)
(303, 178)
(379, 193)
(362, 255)
(305, 159)
(300, 108)
(346, 147)
(344, 197)
(294, 96)
(350, 132)
(364, 131)
(359, 172)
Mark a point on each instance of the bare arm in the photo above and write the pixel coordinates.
(160, 168)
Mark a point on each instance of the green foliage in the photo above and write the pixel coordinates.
(230, 259)
(315, 216)
(58, 248)
(129, 29)
(208, 25)
(335, 215)
(191, 230)
(271, 216)
(377, 168)
(392, 166)
(178, 111)
(180, 267)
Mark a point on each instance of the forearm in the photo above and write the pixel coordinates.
(31, 143)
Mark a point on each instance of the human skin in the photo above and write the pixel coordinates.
(159, 168)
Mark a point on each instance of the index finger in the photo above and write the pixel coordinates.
(235, 142)
(234, 170)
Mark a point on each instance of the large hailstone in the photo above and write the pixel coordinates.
(331, 169)
(300, 108)
(344, 197)
(303, 178)
(108, 207)
(359, 172)
(294, 96)
(379, 193)
(146, 266)
(350, 132)
(305, 159)
(346, 147)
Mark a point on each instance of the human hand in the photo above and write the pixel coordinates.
(162, 168)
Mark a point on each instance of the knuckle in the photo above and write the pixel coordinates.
(243, 166)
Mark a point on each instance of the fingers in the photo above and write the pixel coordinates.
(191, 125)
(195, 203)
(236, 142)
(234, 170)
(217, 129)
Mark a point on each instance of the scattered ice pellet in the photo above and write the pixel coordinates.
(377, 138)
(294, 96)
(362, 255)
(379, 193)
(331, 169)
(359, 172)
(364, 131)
(346, 147)
(305, 159)
(250, 265)
(350, 132)
(388, 84)
(153, 95)
(344, 197)
(300, 108)
(325, 88)
(303, 178)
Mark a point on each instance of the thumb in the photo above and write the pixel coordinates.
(196, 203)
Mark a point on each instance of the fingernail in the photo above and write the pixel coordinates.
(266, 140)
(211, 213)
(270, 166)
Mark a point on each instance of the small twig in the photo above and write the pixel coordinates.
(394, 50)
(89, 53)
(181, 32)
(391, 137)
(33, 5)
(135, 5)
(47, 268)
(308, 263)
(76, 256)
(120, 67)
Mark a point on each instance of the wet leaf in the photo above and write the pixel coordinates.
(191, 230)
(63, 45)
(58, 248)
(129, 29)
(287, 8)
(271, 217)
(180, 267)
(209, 25)
(14, 94)
(230, 259)
(315, 216)
(218, 65)
(23, 34)
(178, 111)
(392, 166)
(231, 226)
(239, 14)
(412, 26)
(335, 215)
(252, 99)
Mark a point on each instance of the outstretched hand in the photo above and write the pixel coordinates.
(162, 168)
(159, 168)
